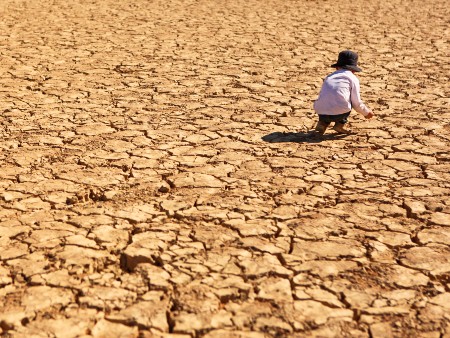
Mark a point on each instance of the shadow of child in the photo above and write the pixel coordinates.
(302, 137)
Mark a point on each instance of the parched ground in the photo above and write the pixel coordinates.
(157, 178)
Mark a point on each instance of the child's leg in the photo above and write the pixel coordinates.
(323, 124)
(342, 118)
(321, 127)
(340, 123)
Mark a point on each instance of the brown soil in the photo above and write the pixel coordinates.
(158, 177)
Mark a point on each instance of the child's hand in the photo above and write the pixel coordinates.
(369, 116)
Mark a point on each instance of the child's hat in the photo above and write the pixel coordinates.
(348, 60)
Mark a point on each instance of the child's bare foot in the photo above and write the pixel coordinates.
(339, 127)
(321, 127)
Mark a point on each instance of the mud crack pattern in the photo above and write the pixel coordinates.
(158, 179)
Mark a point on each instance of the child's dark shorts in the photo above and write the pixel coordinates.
(341, 118)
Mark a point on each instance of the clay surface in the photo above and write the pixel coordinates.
(158, 179)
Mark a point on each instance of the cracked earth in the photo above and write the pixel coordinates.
(158, 179)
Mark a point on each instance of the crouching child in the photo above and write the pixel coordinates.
(339, 94)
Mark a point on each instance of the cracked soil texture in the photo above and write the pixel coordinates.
(158, 179)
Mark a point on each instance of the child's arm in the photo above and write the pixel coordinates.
(357, 103)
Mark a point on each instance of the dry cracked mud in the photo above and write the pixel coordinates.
(158, 179)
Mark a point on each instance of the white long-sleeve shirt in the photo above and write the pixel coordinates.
(339, 94)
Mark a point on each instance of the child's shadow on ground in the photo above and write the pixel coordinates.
(310, 137)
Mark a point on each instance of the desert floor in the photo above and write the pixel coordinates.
(158, 178)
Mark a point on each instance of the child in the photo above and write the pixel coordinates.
(339, 94)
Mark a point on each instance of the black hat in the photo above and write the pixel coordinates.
(348, 60)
